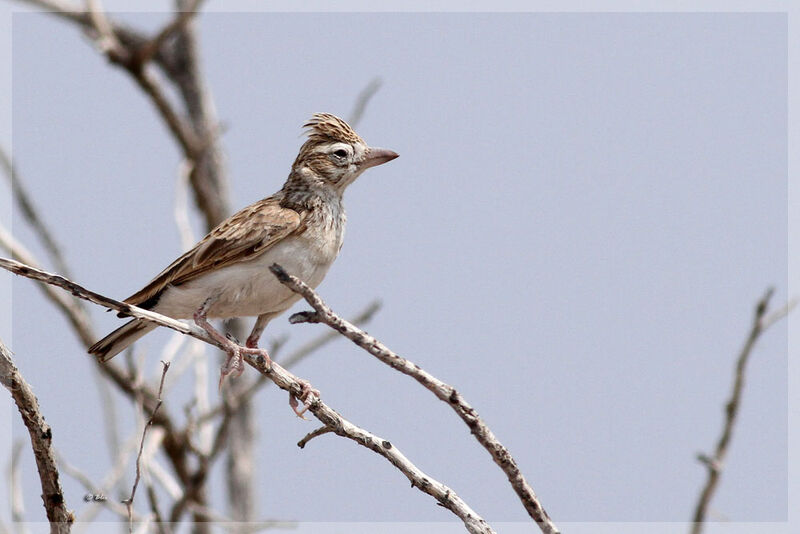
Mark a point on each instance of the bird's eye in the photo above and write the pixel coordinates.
(341, 153)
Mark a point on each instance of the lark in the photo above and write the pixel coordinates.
(227, 274)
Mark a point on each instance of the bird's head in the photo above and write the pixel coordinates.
(335, 154)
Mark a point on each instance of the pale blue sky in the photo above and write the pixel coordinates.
(585, 209)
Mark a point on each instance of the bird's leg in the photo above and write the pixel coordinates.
(233, 364)
(305, 397)
(252, 344)
(258, 328)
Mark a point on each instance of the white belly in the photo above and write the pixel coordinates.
(249, 288)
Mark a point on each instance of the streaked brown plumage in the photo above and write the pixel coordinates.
(300, 227)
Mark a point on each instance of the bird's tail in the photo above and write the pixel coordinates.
(120, 339)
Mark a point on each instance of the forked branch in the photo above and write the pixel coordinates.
(444, 392)
(715, 462)
(288, 382)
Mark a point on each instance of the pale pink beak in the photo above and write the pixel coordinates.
(377, 156)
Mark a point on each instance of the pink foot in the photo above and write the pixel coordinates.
(234, 364)
(307, 396)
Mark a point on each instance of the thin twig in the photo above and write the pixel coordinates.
(255, 526)
(444, 392)
(715, 462)
(29, 271)
(200, 475)
(292, 360)
(153, 444)
(288, 382)
(120, 45)
(152, 88)
(146, 52)
(165, 480)
(342, 427)
(129, 501)
(72, 309)
(79, 319)
(317, 343)
(173, 50)
(94, 492)
(101, 495)
(313, 434)
(75, 314)
(152, 499)
(107, 40)
(129, 59)
(32, 214)
(182, 66)
(109, 411)
(175, 445)
(16, 494)
(41, 434)
(63, 9)
(181, 209)
(362, 100)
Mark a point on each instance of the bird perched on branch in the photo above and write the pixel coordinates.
(226, 274)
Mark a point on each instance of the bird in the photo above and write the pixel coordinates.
(226, 274)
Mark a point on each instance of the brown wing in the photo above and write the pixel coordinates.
(241, 237)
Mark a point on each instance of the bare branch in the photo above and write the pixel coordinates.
(777, 315)
(362, 100)
(109, 411)
(81, 292)
(120, 45)
(154, 442)
(715, 463)
(17, 498)
(291, 360)
(94, 491)
(165, 480)
(180, 63)
(63, 9)
(31, 214)
(313, 434)
(240, 460)
(99, 494)
(107, 40)
(185, 137)
(58, 514)
(444, 392)
(173, 50)
(317, 343)
(129, 501)
(207, 514)
(79, 319)
(74, 313)
(181, 208)
(152, 500)
(146, 52)
(288, 382)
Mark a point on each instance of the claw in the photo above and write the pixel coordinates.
(307, 397)
(231, 337)
(234, 364)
